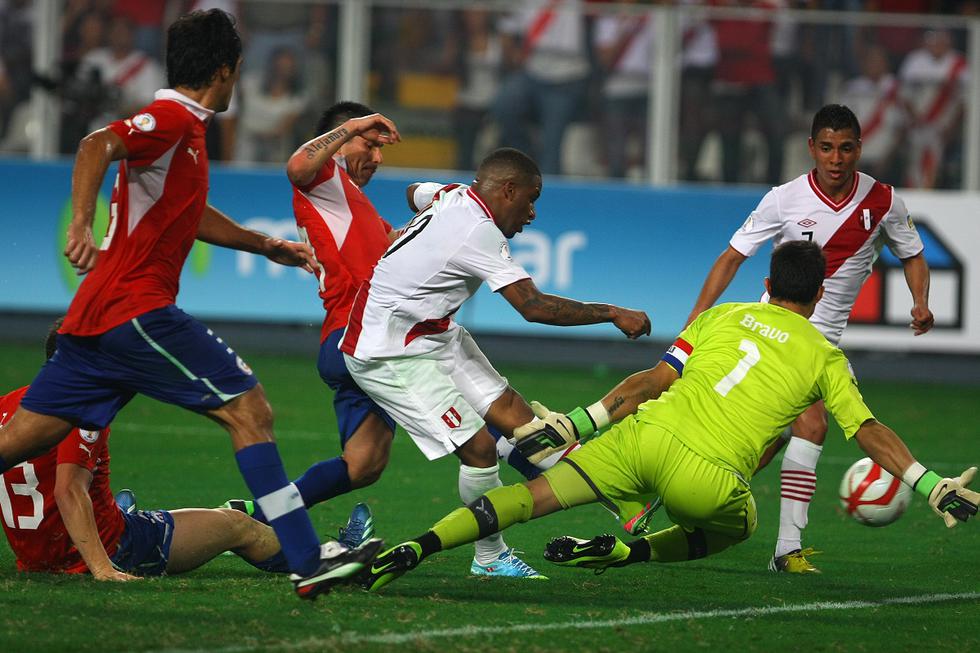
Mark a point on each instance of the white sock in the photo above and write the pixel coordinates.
(798, 482)
(474, 482)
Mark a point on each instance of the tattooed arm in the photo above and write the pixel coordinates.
(307, 160)
(637, 388)
(536, 306)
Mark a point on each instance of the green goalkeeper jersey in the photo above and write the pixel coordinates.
(747, 371)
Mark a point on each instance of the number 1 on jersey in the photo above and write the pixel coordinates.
(735, 377)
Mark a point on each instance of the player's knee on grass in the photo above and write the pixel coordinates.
(703, 529)
(246, 536)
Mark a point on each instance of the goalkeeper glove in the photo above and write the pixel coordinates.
(949, 497)
(551, 432)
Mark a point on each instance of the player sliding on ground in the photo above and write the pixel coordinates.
(59, 516)
(692, 431)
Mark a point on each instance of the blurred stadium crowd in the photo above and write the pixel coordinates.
(461, 81)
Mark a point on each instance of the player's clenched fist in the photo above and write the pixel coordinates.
(633, 323)
(80, 248)
(375, 127)
(287, 252)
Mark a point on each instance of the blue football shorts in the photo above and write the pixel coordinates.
(351, 404)
(144, 547)
(165, 354)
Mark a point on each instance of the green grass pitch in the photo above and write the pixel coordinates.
(879, 590)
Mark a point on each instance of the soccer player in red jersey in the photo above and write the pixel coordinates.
(59, 515)
(347, 237)
(124, 335)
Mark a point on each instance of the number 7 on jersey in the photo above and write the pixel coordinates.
(735, 377)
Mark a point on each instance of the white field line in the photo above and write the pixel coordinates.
(643, 619)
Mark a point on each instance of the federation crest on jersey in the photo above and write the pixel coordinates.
(89, 436)
(144, 122)
(242, 365)
(452, 418)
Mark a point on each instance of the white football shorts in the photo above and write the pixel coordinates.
(439, 398)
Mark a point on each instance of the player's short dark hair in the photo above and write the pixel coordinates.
(340, 113)
(796, 271)
(50, 340)
(508, 163)
(836, 117)
(198, 45)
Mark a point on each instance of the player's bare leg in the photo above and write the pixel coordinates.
(248, 419)
(200, 534)
(367, 451)
(798, 482)
(509, 411)
(29, 434)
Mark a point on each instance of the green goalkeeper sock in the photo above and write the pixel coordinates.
(675, 544)
(496, 510)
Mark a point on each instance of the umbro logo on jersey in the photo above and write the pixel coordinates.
(806, 223)
(193, 153)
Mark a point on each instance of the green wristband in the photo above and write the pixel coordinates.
(583, 423)
(927, 483)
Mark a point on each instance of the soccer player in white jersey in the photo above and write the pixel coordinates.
(850, 215)
(405, 351)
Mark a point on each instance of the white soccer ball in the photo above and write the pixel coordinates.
(871, 495)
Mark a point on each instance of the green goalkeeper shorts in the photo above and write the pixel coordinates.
(634, 460)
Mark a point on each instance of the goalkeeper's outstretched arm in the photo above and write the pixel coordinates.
(637, 388)
(948, 497)
(552, 432)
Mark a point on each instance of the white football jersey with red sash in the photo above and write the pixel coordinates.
(441, 259)
(851, 233)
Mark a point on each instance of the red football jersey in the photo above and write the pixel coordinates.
(29, 512)
(159, 196)
(346, 233)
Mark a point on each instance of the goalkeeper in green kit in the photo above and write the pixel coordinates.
(692, 431)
